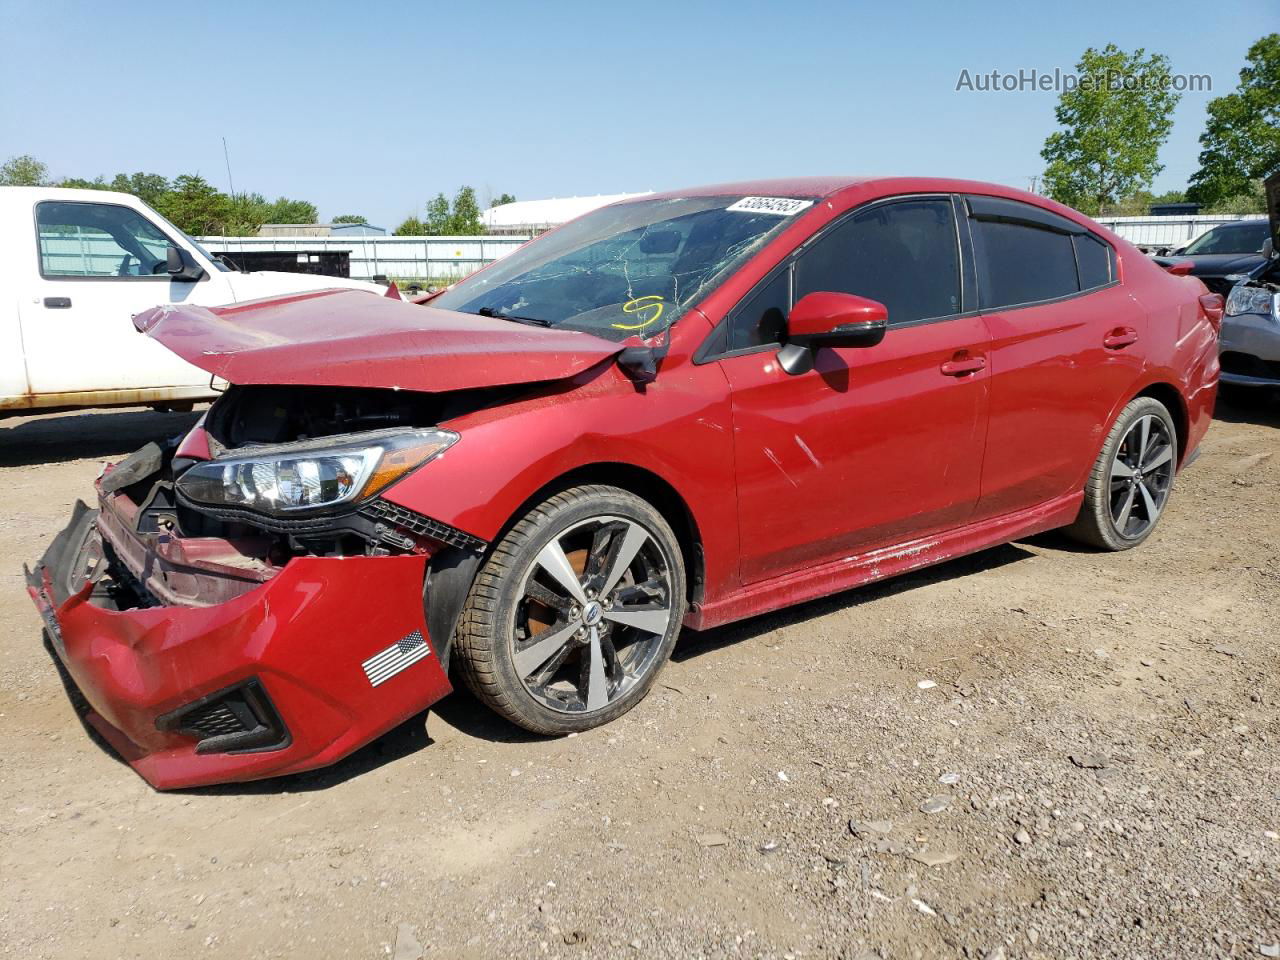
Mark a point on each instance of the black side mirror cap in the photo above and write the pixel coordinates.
(796, 356)
(180, 266)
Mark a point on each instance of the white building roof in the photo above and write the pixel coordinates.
(542, 213)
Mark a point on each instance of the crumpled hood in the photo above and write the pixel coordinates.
(348, 338)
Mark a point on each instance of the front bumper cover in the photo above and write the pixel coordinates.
(1256, 338)
(304, 638)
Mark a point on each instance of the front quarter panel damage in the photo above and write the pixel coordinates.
(305, 635)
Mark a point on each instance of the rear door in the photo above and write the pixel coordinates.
(97, 264)
(873, 446)
(1067, 341)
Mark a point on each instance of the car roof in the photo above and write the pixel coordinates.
(1243, 224)
(823, 188)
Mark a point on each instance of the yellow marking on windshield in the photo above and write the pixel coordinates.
(649, 308)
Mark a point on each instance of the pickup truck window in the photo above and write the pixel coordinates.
(102, 240)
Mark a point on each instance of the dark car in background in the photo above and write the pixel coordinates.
(1251, 328)
(1225, 253)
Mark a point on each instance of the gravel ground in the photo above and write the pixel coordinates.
(1039, 751)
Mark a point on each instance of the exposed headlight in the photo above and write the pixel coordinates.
(1247, 299)
(313, 474)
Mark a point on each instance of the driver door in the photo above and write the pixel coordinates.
(874, 446)
(94, 268)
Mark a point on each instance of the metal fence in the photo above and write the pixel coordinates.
(409, 258)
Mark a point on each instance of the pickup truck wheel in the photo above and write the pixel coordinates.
(574, 612)
(1131, 480)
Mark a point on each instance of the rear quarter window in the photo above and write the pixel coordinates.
(1093, 261)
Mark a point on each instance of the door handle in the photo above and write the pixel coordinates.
(57, 303)
(960, 366)
(1120, 337)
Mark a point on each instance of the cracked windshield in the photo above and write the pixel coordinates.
(626, 270)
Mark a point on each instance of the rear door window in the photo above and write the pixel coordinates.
(1022, 264)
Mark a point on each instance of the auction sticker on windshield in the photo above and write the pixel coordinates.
(778, 206)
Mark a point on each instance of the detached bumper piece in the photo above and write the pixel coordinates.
(268, 682)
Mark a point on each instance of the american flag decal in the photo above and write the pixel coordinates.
(384, 665)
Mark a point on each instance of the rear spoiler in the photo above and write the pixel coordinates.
(1178, 266)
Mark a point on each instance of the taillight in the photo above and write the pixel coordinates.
(1213, 304)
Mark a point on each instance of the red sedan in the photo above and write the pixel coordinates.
(679, 410)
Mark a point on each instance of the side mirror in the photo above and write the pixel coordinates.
(1180, 268)
(1268, 248)
(180, 266)
(830, 320)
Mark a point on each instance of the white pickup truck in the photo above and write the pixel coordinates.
(75, 266)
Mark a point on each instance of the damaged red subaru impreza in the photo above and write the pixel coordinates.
(679, 410)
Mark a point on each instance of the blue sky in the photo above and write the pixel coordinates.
(372, 108)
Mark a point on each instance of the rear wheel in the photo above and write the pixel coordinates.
(574, 613)
(1131, 479)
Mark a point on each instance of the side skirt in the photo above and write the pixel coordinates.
(837, 575)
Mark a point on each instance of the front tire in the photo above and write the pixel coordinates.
(1131, 480)
(575, 611)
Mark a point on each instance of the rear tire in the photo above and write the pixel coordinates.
(1131, 480)
(574, 613)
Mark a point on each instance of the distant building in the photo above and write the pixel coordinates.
(321, 230)
(1174, 209)
(529, 217)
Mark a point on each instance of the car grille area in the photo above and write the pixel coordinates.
(1247, 365)
(239, 719)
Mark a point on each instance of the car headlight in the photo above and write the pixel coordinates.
(312, 474)
(1246, 299)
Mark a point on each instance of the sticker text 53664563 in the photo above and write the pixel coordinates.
(777, 206)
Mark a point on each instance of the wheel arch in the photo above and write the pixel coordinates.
(646, 484)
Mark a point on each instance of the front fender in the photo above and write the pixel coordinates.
(678, 428)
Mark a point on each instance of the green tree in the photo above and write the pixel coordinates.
(411, 227)
(246, 213)
(284, 210)
(349, 218)
(79, 183)
(502, 198)
(148, 187)
(1113, 125)
(1241, 138)
(464, 220)
(23, 171)
(439, 219)
(1252, 200)
(1139, 204)
(196, 207)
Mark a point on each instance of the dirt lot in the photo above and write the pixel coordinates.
(1101, 745)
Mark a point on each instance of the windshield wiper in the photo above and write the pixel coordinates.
(532, 321)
